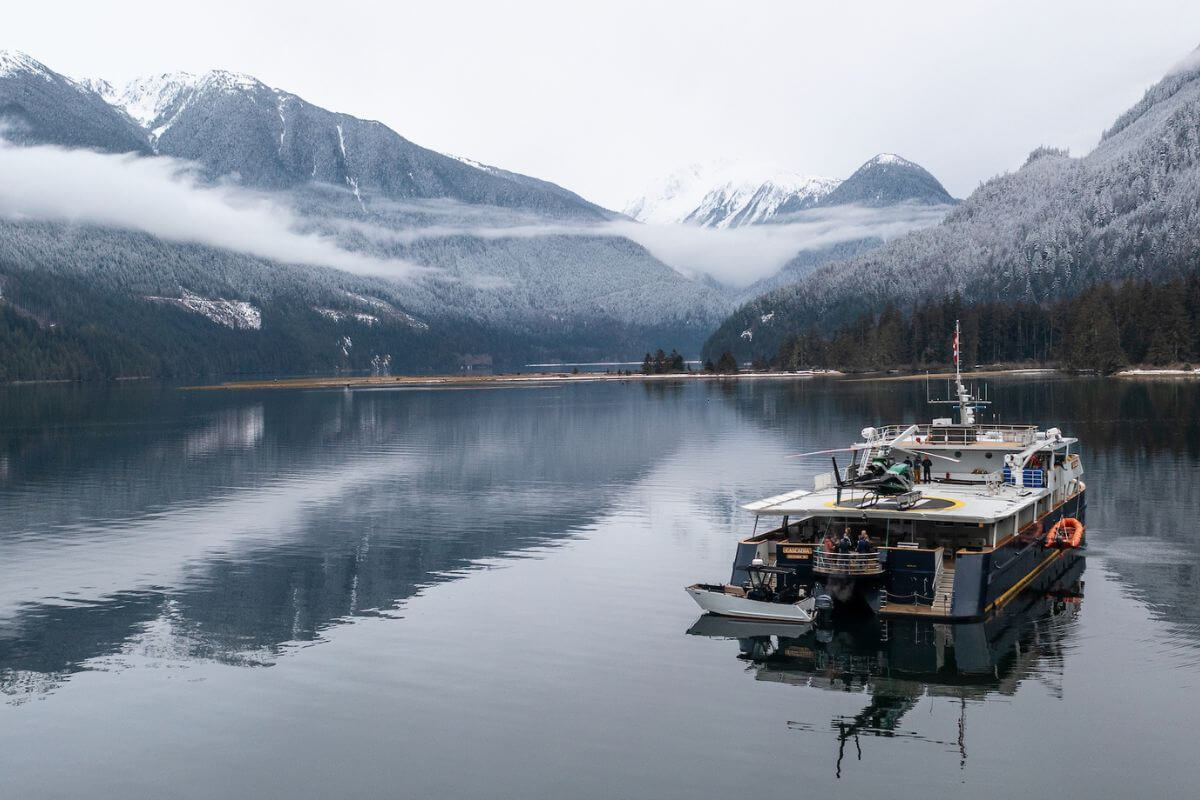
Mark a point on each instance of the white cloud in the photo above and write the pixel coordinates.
(736, 257)
(740, 256)
(1186, 64)
(162, 197)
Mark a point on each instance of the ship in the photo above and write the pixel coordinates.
(947, 520)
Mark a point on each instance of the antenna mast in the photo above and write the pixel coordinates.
(966, 403)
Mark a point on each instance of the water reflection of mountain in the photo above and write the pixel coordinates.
(898, 663)
(232, 524)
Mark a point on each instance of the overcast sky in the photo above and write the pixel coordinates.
(605, 97)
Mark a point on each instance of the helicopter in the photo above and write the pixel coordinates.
(881, 475)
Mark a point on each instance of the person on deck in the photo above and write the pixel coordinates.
(915, 475)
(864, 542)
(844, 544)
(829, 544)
(927, 465)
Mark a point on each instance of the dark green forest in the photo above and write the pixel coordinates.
(1105, 328)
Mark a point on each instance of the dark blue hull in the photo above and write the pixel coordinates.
(985, 582)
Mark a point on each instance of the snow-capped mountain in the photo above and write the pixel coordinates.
(238, 128)
(150, 296)
(1050, 230)
(40, 106)
(234, 124)
(886, 180)
(154, 101)
(728, 195)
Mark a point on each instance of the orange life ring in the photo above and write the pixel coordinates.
(1067, 532)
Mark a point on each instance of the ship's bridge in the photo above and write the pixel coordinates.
(980, 453)
(944, 433)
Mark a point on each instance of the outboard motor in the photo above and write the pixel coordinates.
(823, 609)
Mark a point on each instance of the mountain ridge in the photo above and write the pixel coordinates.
(1048, 230)
(730, 194)
(506, 281)
(727, 194)
(888, 179)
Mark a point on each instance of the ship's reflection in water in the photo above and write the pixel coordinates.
(897, 663)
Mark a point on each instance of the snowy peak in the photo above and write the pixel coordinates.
(234, 125)
(149, 98)
(153, 100)
(889, 159)
(728, 195)
(98, 86)
(40, 106)
(14, 62)
(886, 180)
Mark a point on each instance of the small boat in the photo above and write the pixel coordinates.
(767, 595)
(1067, 532)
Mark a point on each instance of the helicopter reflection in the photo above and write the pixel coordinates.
(899, 662)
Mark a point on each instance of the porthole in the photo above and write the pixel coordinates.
(958, 453)
(987, 455)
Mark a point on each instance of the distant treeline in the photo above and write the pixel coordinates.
(661, 363)
(1105, 328)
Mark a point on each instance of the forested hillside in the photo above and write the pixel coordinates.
(89, 302)
(1049, 231)
(1102, 329)
(228, 226)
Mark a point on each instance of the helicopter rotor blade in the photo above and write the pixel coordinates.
(927, 453)
(904, 434)
(823, 452)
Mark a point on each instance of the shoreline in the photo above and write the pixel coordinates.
(527, 379)
(1157, 373)
(502, 380)
(982, 373)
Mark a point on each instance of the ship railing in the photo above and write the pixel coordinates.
(1030, 478)
(957, 434)
(847, 563)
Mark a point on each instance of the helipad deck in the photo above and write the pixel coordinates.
(949, 502)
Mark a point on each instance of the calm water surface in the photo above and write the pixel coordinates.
(479, 593)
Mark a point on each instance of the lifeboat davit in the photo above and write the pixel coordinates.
(1067, 532)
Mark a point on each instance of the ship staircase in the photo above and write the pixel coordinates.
(943, 596)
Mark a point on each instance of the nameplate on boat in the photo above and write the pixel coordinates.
(796, 551)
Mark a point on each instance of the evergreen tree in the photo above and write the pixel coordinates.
(727, 364)
(1094, 340)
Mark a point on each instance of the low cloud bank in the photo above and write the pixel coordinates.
(162, 197)
(1186, 64)
(736, 257)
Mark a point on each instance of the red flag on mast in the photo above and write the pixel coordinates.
(956, 344)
